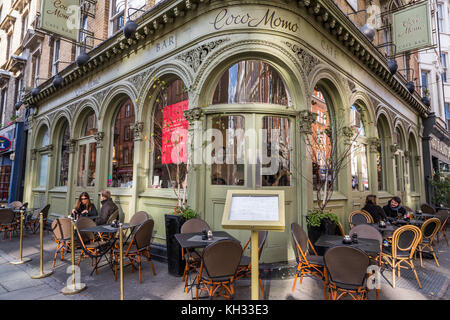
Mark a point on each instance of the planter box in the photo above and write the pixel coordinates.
(175, 264)
(326, 227)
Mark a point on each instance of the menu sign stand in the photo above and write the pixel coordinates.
(254, 210)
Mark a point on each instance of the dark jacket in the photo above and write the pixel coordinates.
(391, 212)
(375, 211)
(107, 209)
(91, 213)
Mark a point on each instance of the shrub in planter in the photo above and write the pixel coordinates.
(173, 222)
(319, 223)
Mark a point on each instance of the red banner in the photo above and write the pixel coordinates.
(175, 133)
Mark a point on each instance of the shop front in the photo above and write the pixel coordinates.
(248, 79)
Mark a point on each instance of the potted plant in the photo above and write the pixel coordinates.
(320, 222)
(173, 221)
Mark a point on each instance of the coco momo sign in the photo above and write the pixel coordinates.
(268, 19)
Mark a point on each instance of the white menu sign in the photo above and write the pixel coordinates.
(257, 208)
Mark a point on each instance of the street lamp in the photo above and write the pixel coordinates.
(130, 26)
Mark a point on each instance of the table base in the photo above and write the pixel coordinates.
(73, 290)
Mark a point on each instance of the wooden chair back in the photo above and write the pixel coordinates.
(430, 228)
(359, 217)
(144, 234)
(301, 243)
(6, 216)
(85, 223)
(139, 217)
(61, 228)
(346, 265)
(426, 208)
(442, 215)
(340, 229)
(221, 259)
(405, 239)
(367, 232)
(112, 217)
(45, 210)
(194, 225)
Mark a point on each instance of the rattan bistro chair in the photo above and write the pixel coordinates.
(112, 217)
(33, 223)
(8, 223)
(245, 265)
(359, 217)
(426, 208)
(346, 267)
(139, 246)
(218, 269)
(404, 244)
(62, 229)
(429, 230)
(192, 257)
(307, 264)
(442, 215)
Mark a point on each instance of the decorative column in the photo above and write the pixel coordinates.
(305, 121)
(99, 136)
(194, 117)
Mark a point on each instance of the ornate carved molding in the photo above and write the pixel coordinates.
(98, 136)
(100, 96)
(138, 129)
(374, 143)
(195, 57)
(72, 143)
(138, 80)
(195, 114)
(308, 61)
(306, 119)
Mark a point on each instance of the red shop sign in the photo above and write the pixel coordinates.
(175, 133)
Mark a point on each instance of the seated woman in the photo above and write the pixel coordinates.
(84, 207)
(393, 209)
(375, 210)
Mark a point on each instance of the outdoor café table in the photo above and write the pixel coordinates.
(369, 246)
(106, 228)
(194, 240)
(424, 216)
(385, 231)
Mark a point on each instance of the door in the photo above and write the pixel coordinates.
(251, 151)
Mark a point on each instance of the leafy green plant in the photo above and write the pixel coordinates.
(186, 212)
(316, 216)
(441, 189)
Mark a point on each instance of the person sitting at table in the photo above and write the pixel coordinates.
(393, 209)
(84, 207)
(107, 209)
(375, 210)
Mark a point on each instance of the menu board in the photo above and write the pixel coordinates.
(254, 210)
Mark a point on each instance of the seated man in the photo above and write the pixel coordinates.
(107, 209)
(393, 209)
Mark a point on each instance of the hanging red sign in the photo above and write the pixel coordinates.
(175, 133)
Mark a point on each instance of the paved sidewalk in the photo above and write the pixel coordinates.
(16, 284)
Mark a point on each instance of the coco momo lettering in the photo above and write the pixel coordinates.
(269, 19)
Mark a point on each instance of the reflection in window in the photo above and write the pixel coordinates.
(43, 170)
(227, 163)
(122, 161)
(64, 157)
(399, 160)
(166, 170)
(381, 156)
(81, 165)
(251, 81)
(91, 164)
(358, 152)
(90, 124)
(412, 171)
(276, 162)
(321, 138)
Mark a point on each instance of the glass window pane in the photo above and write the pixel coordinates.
(122, 159)
(354, 167)
(166, 174)
(227, 156)
(381, 161)
(90, 124)
(81, 166)
(43, 171)
(364, 168)
(397, 173)
(276, 158)
(64, 158)
(356, 120)
(91, 164)
(251, 81)
(320, 138)
(45, 139)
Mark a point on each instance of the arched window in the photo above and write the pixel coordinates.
(399, 160)
(64, 153)
(251, 81)
(359, 164)
(169, 135)
(87, 153)
(43, 166)
(123, 147)
(412, 153)
(322, 135)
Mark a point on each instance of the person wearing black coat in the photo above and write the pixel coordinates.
(84, 207)
(107, 209)
(375, 210)
(393, 209)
